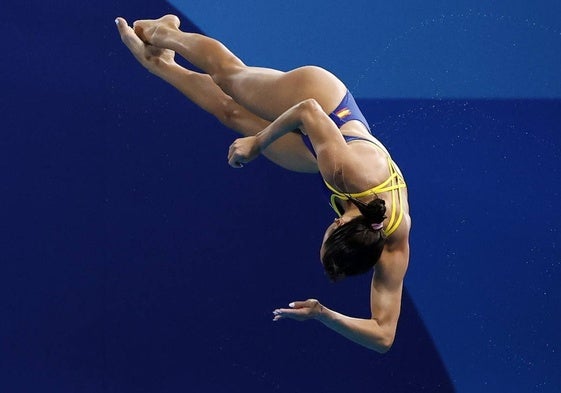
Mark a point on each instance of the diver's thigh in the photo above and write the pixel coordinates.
(268, 93)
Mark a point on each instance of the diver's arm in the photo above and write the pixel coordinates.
(307, 116)
(376, 333)
(366, 332)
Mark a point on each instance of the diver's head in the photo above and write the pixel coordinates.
(353, 247)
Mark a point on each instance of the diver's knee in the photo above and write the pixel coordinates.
(229, 113)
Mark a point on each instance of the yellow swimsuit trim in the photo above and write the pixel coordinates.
(394, 183)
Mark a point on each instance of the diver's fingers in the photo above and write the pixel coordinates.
(128, 36)
(301, 304)
(235, 160)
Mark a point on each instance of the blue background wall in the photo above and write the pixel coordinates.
(411, 49)
(124, 239)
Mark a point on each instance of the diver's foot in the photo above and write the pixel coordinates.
(154, 31)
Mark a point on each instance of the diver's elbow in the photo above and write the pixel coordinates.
(309, 109)
(309, 105)
(385, 344)
(384, 348)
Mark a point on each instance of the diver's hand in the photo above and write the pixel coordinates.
(299, 311)
(243, 150)
(151, 57)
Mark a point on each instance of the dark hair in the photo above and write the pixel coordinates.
(356, 246)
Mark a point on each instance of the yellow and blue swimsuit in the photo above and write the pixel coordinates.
(346, 111)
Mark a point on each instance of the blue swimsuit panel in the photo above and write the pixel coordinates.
(346, 111)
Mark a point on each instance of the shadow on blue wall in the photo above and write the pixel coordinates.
(125, 263)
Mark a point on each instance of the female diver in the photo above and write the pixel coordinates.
(304, 120)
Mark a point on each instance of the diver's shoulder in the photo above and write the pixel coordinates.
(399, 240)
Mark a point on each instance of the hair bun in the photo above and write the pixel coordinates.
(374, 211)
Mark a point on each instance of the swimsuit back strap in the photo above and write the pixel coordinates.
(393, 225)
(393, 184)
(397, 184)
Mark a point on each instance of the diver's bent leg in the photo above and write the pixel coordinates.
(269, 93)
(202, 91)
(264, 91)
(203, 52)
(288, 152)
